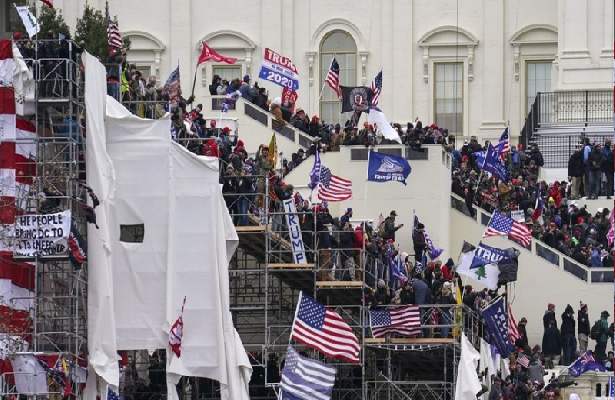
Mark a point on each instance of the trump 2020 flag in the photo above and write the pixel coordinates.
(494, 165)
(306, 379)
(585, 362)
(496, 322)
(387, 167)
(474, 264)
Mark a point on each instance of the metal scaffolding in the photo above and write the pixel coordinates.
(58, 316)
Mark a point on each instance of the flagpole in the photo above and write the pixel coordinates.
(194, 81)
(324, 82)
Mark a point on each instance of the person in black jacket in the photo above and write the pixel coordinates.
(551, 345)
(583, 328)
(522, 341)
(596, 157)
(575, 174)
(608, 168)
(569, 342)
(213, 88)
(549, 316)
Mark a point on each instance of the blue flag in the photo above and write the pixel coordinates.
(490, 255)
(585, 362)
(493, 164)
(496, 322)
(386, 167)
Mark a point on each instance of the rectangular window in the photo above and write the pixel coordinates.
(538, 80)
(228, 72)
(448, 97)
(132, 233)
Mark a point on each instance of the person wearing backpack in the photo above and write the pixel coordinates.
(600, 333)
(595, 160)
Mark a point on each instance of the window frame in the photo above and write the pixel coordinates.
(526, 62)
(237, 67)
(462, 123)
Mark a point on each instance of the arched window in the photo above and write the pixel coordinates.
(341, 45)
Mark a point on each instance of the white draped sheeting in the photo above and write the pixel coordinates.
(188, 240)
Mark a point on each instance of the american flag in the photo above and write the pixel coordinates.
(513, 330)
(503, 146)
(611, 235)
(501, 225)
(333, 77)
(111, 395)
(523, 360)
(172, 87)
(324, 330)
(376, 88)
(177, 332)
(403, 320)
(306, 379)
(332, 187)
(113, 35)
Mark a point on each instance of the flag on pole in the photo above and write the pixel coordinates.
(330, 187)
(306, 379)
(476, 268)
(523, 360)
(434, 252)
(403, 320)
(496, 324)
(333, 77)
(513, 330)
(381, 124)
(273, 151)
(503, 146)
(177, 332)
(501, 225)
(207, 53)
(29, 20)
(493, 164)
(114, 36)
(324, 330)
(172, 87)
(585, 362)
(376, 88)
(611, 235)
(540, 205)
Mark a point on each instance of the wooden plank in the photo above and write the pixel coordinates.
(291, 266)
(339, 284)
(250, 229)
(409, 341)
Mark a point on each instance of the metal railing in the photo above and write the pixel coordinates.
(577, 107)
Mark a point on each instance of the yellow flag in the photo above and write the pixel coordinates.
(273, 151)
(458, 313)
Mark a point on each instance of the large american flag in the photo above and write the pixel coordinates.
(333, 77)
(172, 87)
(403, 320)
(501, 225)
(113, 35)
(503, 146)
(324, 330)
(376, 88)
(305, 379)
(332, 187)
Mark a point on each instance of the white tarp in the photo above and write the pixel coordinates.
(468, 384)
(188, 240)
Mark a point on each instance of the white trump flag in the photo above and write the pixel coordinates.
(29, 20)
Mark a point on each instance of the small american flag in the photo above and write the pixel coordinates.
(172, 87)
(333, 188)
(523, 360)
(306, 379)
(111, 395)
(501, 225)
(324, 330)
(611, 235)
(333, 77)
(113, 35)
(403, 320)
(177, 332)
(376, 88)
(503, 146)
(513, 330)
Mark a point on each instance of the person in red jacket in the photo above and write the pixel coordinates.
(210, 148)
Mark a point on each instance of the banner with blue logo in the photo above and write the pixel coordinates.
(386, 167)
(279, 70)
(494, 165)
(496, 322)
(491, 255)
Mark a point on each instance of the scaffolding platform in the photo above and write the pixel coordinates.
(340, 292)
(410, 341)
(296, 276)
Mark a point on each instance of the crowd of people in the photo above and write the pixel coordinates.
(549, 210)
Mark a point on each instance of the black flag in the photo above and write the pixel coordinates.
(356, 98)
